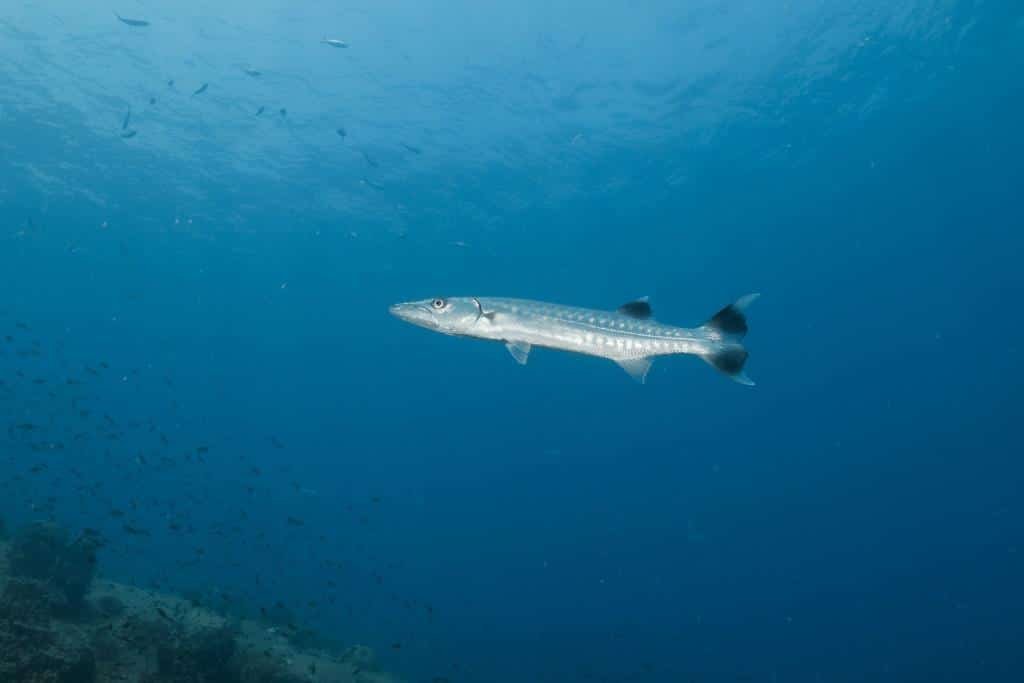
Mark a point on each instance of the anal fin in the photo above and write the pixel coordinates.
(636, 367)
(519, 350)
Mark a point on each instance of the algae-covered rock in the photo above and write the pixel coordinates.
(34, 647)
(360, 656)
(254, 667)
(43, 551)
(203, 656)
(31, 601)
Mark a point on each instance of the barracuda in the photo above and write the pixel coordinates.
(627, 336)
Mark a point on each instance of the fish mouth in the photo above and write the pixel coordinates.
(414, 313)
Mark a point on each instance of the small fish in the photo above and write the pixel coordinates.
(414, 150)
(260, 110)
(295, 521)
(334, 42)
(170, 83)
(131, 22)
(152, 101)
(252, 72)
(341, 133)
(370, 183)
(128, 134)
(127, 119)
(282, 111)
(135, 531)
(370, 161)
(201, 89)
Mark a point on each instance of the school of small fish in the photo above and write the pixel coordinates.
(127, 134)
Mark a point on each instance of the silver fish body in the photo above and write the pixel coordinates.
(627, 336)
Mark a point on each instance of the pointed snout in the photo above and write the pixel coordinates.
(414, 312)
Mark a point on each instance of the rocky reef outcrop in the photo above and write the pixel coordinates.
(60, 624)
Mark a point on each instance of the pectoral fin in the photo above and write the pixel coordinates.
(636, 367)
(519, 350)
(480, 313)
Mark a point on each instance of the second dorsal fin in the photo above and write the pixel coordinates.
(640, 309)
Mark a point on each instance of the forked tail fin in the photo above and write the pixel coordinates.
(725, 330)
(730, 323)
(729, 359)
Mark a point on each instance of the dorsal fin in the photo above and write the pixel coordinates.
(639, 309)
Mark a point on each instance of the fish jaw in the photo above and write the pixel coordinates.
(415, 313)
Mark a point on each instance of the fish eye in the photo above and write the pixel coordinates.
(439, 304)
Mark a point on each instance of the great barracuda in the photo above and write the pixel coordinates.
(627, 335)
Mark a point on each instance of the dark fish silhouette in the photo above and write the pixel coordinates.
(252, 72)
(369, 161)
(283, 111)
(127, 118)
(128, 134)
(131, 22)
(170, 83)
(414, 150)
(201, 89)
(152, 100)
(370, 183)
(341, 132)
(260, 110)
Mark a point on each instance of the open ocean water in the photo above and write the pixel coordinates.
(204, 219)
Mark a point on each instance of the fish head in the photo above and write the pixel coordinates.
(453, 315)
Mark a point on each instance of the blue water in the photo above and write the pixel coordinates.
(855, 516)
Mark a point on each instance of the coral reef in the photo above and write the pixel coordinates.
(59, 624)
